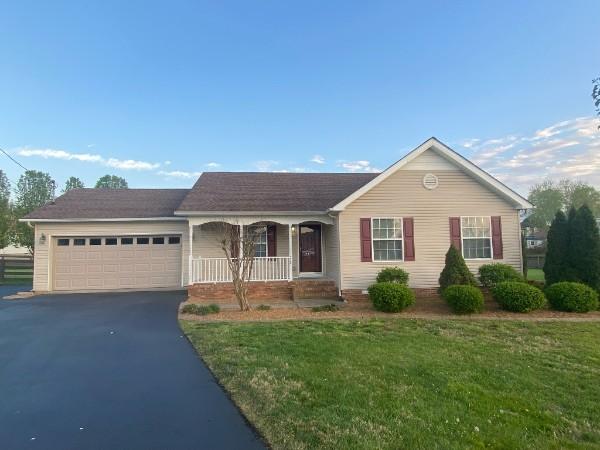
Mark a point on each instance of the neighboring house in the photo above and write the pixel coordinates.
(13, 250)
(342, 228)
(535, 238)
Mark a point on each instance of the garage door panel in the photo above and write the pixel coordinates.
(118, 266)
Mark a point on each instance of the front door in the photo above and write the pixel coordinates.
(310, 248)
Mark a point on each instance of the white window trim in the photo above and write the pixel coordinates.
(387, 261)
(266, 239)
(462, 247)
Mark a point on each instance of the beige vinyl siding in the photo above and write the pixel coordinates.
(403, 195)
(330, 250)
(42, 257)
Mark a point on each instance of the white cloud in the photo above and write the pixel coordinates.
(179, 174)
(127, 164)
(570, 148)
(266, 165)
(213, 165)
(318, 159)
(358, 166)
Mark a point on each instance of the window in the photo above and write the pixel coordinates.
(95, 241)
(78, 241)
(110, 241)
(143, 241)
(174, 240)
(63, 242)
(387, 239)
(126, 241)
(158, 240)
(476, 237)
(260, 240)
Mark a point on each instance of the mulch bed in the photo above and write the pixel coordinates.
(424, 308)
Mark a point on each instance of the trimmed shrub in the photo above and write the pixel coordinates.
(393, 275)
(391, 297)
(584, 248)
(463, 299)
(492, 274)
(200, 310)
(518, 297)
(556, 266)
(326, 308)
(263, 307)
(455, 271)
(572, 297)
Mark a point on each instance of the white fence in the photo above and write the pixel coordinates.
(216, 270)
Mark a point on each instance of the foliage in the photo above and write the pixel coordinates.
(393, 275)
(464, 299)
(455, 270)
(111, 182)
(326, 308)
(556, 263)
(492, 274)
(34, 189)
(596, 95)
(572, 297)
(200, 310)
(400, 384)
(518, 297)
(263, 307)
(524, 258)
(584, 248)
(391, 297)
(73, 183)
(5, 211)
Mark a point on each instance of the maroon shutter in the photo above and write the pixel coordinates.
(455, 232)
(235, 247)
(272, 240)
(365, 240)
(409, 238)
(497, 237)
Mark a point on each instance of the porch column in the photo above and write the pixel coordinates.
(190, 258)
(290, 226)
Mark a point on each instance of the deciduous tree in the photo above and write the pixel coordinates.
(112, 182)
(73, 183)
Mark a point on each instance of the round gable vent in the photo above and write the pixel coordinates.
(430, 181)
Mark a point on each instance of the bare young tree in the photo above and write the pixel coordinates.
(239, 249)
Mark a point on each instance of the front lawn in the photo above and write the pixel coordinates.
(399, 383)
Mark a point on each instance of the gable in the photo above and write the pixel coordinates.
(431, 161)
(436, 147)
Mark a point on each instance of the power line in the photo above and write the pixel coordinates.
(13, 159)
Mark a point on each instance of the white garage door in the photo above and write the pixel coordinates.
(116, 262)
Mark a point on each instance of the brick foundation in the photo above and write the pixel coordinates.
(264, 291)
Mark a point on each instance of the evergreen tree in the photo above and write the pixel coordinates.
(584, 248)
(556, 266)
(456, 270)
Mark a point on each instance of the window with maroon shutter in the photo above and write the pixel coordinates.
(497, 237)
(455, 232)
(365, 240)
(272, 240)
(409, 238)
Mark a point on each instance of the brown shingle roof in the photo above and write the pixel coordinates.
(266, 191)
(111, 204)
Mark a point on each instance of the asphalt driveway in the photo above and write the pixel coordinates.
(100, 371)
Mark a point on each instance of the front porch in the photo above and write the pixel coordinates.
(295, 257)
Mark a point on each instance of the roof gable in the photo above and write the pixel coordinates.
(434, 145)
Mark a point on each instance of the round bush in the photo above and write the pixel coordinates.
(392, 275)
(391, 297)
(464, 299)
(518, 297)
(492, 274)
(572, 297)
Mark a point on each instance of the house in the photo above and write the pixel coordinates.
(535, 238)
(320, 233)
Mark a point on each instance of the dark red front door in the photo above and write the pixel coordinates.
(310, 248)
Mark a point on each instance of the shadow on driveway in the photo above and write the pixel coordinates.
(110, 370)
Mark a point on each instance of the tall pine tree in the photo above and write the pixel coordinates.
(556, 266)
(584, 248)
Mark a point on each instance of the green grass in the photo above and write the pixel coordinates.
(535, 274)
(402, 383)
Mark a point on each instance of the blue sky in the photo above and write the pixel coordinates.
(159, 92)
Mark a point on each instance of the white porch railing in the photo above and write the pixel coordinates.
(216, 270)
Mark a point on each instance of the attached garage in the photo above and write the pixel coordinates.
(116, 262)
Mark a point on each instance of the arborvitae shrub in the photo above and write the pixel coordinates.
(455, 271)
